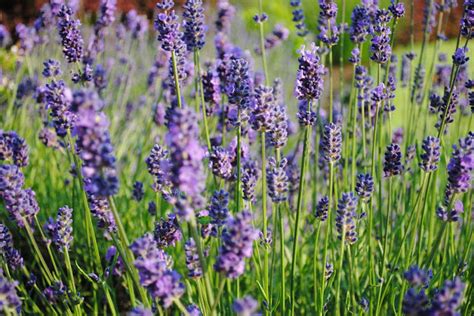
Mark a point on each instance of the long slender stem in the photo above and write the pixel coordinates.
(201, 94)
(307, 133)
(176, 78)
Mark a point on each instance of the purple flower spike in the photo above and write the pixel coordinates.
(331, 142)
(71, 38)
(194, 29)
(345, 223)
(237, 240)
(431, 154)
(309, 79)
(246, 306)
(393, 161)
(9, 300)
(322, 209)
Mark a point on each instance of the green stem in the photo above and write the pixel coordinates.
(307, 133)
(176, 78)
(201, 93)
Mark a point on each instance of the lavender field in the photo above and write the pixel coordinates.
(215, 159)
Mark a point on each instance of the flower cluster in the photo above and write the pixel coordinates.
(156, 275)
(237, 239)
(277, 180)
(309, 78)
(13, 147)
(345, 223)
(71, 38)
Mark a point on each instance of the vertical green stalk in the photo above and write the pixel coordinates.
(238, 185)
(176, 78)
(385, 242)
(201, 93)
(264, 215)
(72, 284)
(326, 239)
(339, 271)
(304, 158)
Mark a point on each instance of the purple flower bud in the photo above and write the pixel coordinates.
(218, 208)
(9, 298)
(393, 161)
(345, 223)
(12, 256)
(246, 306)
(225, 15)
(277, 180)
(309, 78)
(157, 164)
(331, 142)
(52, 68)
(192, 259)
(417, 277)
(237, 241)
(250, 174)
(62, 236)
(449, 298)
(298, 18)
(167, 232)
(71, 38)
(194, 29)
(138, 191)
(431, 154)
(364, 186)
(322, 209)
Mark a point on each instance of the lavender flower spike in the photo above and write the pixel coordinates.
(62, 236)
(237, 241)
(393, 161)
(431, 154)
(277, 180)
(71, 38)
(194, 29)
(345, 223)
(309, 78)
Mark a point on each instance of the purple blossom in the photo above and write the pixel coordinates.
(220, 162)
(459, 56)
(364, 186)
(185, 163)
(322, 209)
(360, 25)
(237, 240)
(58, 98)
(96, 152)
(250, 174)
(138, 192)
(246, 306)
(415, 302)
(71, 38)
(100, 209)
(278, 35)
(277, 180)
(13, 147)
(393, 161)
(298, 18)
(309, 78)
(345, 223)
(52, 68)
(12, 256)
(397, 9)
(380, 47)
(167, 232)
(62, 234)
(219, 207)
(9, 300)
(192, 259)
(418, 277)
(155, 272)
(431, 154)
(225, 15)
(449, 298)
(331, 142)
(238, 85)
(158, 165)
(262, 119)
(194, 28)
(467, 21)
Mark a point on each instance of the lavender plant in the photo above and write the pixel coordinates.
(213, 173)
